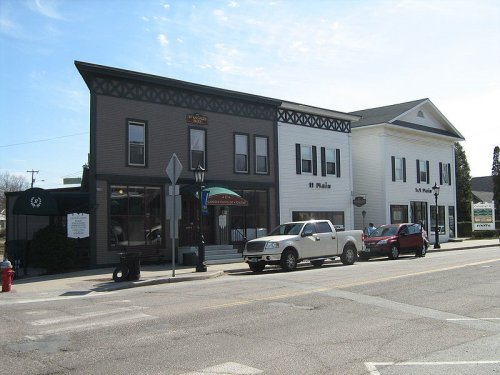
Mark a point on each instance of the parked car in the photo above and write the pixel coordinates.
(313, 240)
(395, 239)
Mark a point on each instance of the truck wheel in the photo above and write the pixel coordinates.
(257, 267)
(288, 260)
(317, 263)
(394, 253)
(348, 257)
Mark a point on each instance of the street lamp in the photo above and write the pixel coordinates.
(435, 191)
(199, 176)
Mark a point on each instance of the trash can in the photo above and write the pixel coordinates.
(133, 262)
(129, 267)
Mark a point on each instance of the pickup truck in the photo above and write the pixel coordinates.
(313, 240)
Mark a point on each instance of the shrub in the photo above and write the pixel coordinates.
(52, 250)
(485, 234)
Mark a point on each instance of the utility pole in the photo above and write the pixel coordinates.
(32, 176)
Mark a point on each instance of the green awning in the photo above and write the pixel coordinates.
(35, 201)
(219, 196)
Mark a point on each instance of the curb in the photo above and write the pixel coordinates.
(461, 248)
(156, 281)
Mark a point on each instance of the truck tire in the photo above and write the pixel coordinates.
(257, 267)
(394, 252)
(349, 255)
(288, 260)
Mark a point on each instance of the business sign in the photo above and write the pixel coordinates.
(78, 225)
(483, 216)
(197, 119)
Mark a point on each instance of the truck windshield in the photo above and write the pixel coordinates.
(287, 229)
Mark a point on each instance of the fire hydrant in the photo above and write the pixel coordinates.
(7, 275)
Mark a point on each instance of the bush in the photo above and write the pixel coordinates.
(485, 234)
(52, 250)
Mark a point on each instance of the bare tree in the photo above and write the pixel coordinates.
(10, 182)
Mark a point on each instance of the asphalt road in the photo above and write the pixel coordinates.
(434, 315)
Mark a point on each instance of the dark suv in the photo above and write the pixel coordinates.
(394, 239)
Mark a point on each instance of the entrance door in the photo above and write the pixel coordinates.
(451, 221)
(419, 214)
(222, 225)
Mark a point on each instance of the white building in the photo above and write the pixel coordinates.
(399, 152)
(315, 170)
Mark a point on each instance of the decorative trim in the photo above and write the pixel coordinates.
(181, 98)
(289, 116)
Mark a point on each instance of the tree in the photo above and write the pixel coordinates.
(10, 182)
(462, 177)
(495, 174)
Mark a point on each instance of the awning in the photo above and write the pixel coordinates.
(219, 196)
(35, 201)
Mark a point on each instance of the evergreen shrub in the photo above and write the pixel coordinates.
(52, 250)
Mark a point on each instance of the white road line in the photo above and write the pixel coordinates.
(59, 298)
(94, 325)
(372, 367)
(228, 368)
(468, 319)
(92, 314)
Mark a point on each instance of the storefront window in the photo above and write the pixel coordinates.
(135, 215)
(336, 217)
(441, 221)
(255, 215)
(399, 214)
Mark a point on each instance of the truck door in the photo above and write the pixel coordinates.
(328, 243)
(310, 241)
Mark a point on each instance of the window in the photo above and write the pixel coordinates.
(398, 168)
(135, 215)
(422, 171)
(444, 174)
(330, 161)
(399, 214)
(241, 153)
(197, 148)
(441, 220)
(336, 217)
(323, 227)
(306, 159)
(261, 155)
(136, 143)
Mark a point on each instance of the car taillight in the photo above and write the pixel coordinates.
(363, 237)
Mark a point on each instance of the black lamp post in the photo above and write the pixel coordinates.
(435, 191)
(199, 176)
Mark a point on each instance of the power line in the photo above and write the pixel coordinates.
(44, 140)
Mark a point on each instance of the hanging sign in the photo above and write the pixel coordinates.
(204, 202)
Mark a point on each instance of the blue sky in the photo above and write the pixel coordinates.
(342, 55)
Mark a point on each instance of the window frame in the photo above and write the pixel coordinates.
(302, 159)
(395, 169)
(235, 154)
(266, 138)
(190, 150)
(144, 124)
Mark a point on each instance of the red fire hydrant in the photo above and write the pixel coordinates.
(7, 275)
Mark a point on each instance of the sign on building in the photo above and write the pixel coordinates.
(78, 225)
(483, 216)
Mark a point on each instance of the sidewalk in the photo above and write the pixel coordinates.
(100, 279)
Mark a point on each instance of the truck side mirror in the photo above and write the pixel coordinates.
(307, 233)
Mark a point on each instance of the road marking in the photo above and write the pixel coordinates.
(94, 325)
(83, 316)
(228, 368)
(472, 319)
(342, 286)
(372, 367)
(50, 299)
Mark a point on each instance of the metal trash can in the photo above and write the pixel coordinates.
(129, 267)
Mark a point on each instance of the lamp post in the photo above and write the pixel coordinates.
(435, 191)
(199, 176)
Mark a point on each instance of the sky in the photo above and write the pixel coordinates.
(336, 54)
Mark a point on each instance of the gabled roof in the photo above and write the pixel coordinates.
(392, 114)
(482, 188)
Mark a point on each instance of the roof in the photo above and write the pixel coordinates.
(88, 71)
(482, 188)
(392, 114)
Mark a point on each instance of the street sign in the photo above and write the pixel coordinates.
(174, 169)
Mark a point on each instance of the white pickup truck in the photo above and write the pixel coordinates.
(313, 240)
